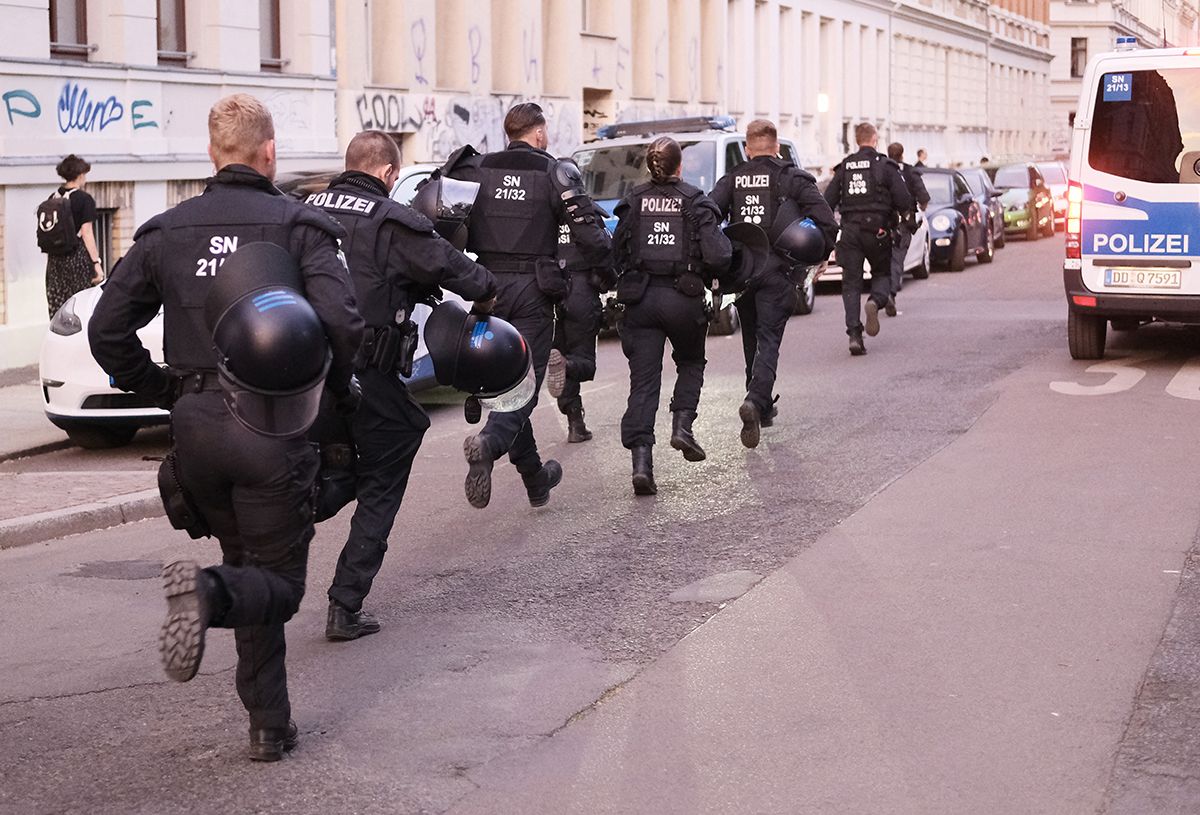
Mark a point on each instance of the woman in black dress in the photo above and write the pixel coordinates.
(79, 269)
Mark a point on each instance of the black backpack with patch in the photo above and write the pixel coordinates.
(56, 232)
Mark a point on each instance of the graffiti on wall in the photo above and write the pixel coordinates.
(78, 108)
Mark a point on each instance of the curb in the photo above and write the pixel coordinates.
(44, 526)
(48, 447)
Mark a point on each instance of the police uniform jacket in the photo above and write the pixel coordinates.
(516, 217)
(868, 183)
(670, 228)
(396, 258)
(755, 190)
(915, 184)
(176, 256)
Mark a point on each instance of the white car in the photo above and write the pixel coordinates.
(80, 398)
(916, 262)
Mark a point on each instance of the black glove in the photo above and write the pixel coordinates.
(347, 402)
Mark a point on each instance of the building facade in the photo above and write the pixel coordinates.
(127, 85)
(1081, 29)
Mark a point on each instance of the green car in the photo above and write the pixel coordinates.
(1027, 201)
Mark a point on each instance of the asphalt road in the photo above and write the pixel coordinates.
(956, 558)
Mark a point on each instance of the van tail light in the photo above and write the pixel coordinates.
(1074, 219)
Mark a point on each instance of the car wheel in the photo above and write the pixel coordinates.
(727, 322)
(1000, 238)
(921, 270)
(806, 295)
(958, 253)
(102, 437)
(1032, 232)
(1126, 324)
(1048, 229)
(989, 247)
(1085, 335)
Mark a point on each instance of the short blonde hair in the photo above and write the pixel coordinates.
(238, 125)
(761, 135)
(864, 132)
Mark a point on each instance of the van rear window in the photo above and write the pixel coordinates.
(1140, 124)
(611, 172)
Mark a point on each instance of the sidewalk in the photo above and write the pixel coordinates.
(41, 506)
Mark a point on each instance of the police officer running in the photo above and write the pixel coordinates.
(253, 490)
(577, 322)
(869, 191)
(668, 242)
(903, 234)
(525, 195)
(754, 193)
(396, 260)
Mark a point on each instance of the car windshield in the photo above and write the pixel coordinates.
(976, 180)
(611, 172)
(940, 187)
(1146, 125)
(1012, 176)
(1053, 173)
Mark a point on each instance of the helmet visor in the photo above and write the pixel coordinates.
(515, 398)
(274, 415)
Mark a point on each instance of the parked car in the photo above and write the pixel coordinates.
(1054, 173)
(989, 201)
(916, 260)
(958, 226)
(80, 398)
(1028, 204)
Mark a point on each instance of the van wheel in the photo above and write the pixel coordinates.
(989, 248)
(101, 437)
(1085, 335)
(958, 253)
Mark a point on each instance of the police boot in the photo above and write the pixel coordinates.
(681, 435)
(857, 349)
(189, 591)
(269, 744)
(556, 373)
(890, 308)
(576, 430)
(751, 423)
(643, 471)
(539, 484)
(478, 485)
(872, 321)
(343, 624)
(768, 419)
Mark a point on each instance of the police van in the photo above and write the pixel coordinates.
(1133, 214)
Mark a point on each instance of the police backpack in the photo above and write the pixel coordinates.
(56, 232)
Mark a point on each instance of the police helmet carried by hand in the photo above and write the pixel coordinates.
(800, 242)
(448, 203)
(272, 353)
(482, 355)
(751, 250)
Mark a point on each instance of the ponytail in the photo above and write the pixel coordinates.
(663, 158)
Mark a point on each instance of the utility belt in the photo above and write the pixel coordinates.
(631, 286)
(551, 276)
(868, 220)
(196, 382)
(500, 264)
(391, 347)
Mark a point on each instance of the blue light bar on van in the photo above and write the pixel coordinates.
(688, 124)
(1126, 43)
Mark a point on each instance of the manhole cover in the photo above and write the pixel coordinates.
(119, 569)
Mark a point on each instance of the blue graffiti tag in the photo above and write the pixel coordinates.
(137, 117)
(77, 112)
(34, 111)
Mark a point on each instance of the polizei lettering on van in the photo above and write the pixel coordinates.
(1151, 244)
(661, 205)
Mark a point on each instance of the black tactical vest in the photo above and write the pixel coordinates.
(661, 235)
(863, 186)
(756, 196)
(380, 292)
(515, 213)
(198, 236)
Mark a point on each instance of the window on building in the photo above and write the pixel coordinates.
(68, 29)
(103, 228)
(1078, 56)
(271, 55)
(597, 17)
(172, 33)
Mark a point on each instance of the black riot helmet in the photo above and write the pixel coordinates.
(272, 353)
(797, 239)
(751, 250)
(482, 355)
(448, 203)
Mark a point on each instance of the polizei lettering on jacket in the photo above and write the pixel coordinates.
(1150, 244)
(865, 164)
(662, 205)
(757, 180)
(342, 202)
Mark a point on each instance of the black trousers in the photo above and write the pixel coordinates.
(662, 314)
(576, 324)
(764, 308)
(387, 428)
(521, 302)
(256, 494)
(856, 244)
